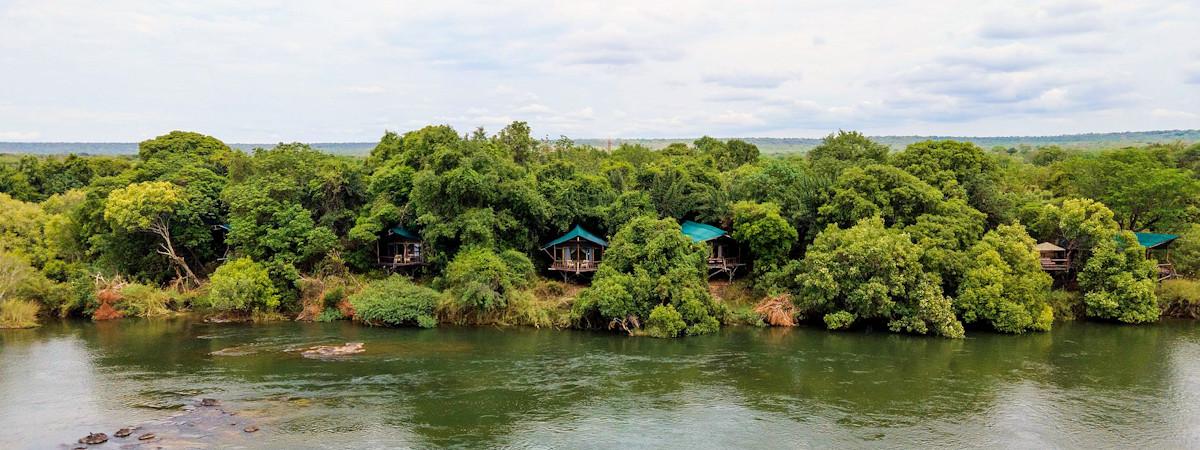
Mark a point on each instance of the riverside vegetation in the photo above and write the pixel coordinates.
(937, 238)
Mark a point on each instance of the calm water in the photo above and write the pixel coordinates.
(1083, 385)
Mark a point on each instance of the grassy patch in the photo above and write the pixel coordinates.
(1180, 298)
(16, 313)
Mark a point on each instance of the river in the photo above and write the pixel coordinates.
(1083, 385)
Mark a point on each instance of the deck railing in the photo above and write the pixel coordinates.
(1056, 264)
(574, 265)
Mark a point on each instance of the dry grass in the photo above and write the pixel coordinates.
(16, 313)
(778, 311)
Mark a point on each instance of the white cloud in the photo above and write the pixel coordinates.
(251, 71)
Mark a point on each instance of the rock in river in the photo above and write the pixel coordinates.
(124, 432)
(94, 439)
(327, 351)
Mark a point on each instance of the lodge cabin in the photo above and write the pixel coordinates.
(724, 254)
(398, 248)
(1053, 258)
(1158, 247)
(579, 251)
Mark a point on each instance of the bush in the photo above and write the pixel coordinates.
(16, 313)
(872, 273)
(1004, 285)
(242, 285)
(1118, 283)
(139, 300)
(665, 322)
(838, 320)
(649, 263)
(482, 281)
(330, 315)
(1186, 252)
(1067, 305)
(395, 301)
(1180, 298)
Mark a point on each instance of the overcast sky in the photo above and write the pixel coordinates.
(312, 71)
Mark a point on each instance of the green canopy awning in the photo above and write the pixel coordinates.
(403, 232)
(700, 232)
(577, 232)
(1152, 240)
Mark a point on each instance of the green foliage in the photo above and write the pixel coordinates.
(143, 206)
(1004, 285)
(330, 315)
(839, 320)
(1118, 282)
(1185, 252)
(242, 285)
(769, 237)
(1067, 305)
(1075, 224)
(844, 149)
(878, 190)
(1143, 188)
(481, 281)
(959, 170)
(873, 273)
(665, 322)
(649, 263)
(395, 301)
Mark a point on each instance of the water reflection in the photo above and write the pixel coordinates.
(1081, 385)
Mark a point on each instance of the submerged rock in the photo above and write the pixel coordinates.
(146, 437)
(209, 402)
(94, 439)
(250, 429)
(327, 351)
(124, 432)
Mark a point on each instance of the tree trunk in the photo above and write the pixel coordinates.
(167, 248)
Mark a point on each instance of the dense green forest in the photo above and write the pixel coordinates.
(937, 238)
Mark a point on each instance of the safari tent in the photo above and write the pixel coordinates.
(724, 254)
(399, 247)
(578, 251)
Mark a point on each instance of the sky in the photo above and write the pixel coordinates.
(271, 71)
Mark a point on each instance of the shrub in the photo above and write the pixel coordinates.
(1067, 305)
(1186, 252)
(482, 281)
(649, 263)
(1004, 285)
(1180, 298)
(1118, 283)
(872, 273)
(139, 300)
(665, 322)
(242, 285)
(838, 320)
(330, 315)
(15, 313)
(395, 301)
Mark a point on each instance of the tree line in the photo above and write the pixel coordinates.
(936, 238)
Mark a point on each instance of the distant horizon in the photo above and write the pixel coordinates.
(636, 138)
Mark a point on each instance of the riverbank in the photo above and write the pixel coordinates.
(1082, 384)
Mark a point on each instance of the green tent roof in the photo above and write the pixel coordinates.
(700, 232)
(577, 232)
(1151, 240)
(404, 232)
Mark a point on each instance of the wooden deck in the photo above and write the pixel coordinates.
(575, 266)
(727, 266)
(401, 261)
(1056, 264)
